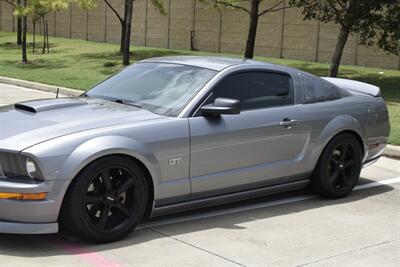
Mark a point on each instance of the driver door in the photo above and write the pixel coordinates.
(231, 153)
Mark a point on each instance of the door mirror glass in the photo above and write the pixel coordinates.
(221, 106)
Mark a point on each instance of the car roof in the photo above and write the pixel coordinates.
(214, 63)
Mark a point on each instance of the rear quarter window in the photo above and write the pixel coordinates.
(316, 89)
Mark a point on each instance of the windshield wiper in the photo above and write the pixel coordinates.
(129, 103)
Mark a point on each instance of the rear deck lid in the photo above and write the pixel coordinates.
(355, 86)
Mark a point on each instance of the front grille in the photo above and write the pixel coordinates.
(11, 165)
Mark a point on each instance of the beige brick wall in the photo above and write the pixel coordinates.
(97, 23)
(63, 25)
(6, 17)
(280, 34)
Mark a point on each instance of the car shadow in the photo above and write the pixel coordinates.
(54, 245)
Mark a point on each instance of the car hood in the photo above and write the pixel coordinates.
(28, 123)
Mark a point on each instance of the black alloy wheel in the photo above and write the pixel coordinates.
(106, 200)
(110, 198)
(338, 168)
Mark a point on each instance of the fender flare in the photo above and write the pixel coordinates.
(103, 146)
(336, 126)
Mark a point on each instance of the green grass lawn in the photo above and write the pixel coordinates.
(81, 64)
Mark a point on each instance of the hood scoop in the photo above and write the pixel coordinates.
(36, 106)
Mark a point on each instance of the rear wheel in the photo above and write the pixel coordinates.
(106, 200)
(338, 168)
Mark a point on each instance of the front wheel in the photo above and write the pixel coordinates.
(106, 200)
(339, 167)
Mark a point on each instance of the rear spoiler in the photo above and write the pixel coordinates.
(355, 86)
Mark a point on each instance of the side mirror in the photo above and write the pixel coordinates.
(221, 106)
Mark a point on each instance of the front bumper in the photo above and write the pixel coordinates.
(31, 216)
(28, 228)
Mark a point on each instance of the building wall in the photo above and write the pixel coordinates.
(281, 34)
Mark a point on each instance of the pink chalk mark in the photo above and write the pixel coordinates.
(84, 254)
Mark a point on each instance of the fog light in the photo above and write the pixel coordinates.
(23, 196)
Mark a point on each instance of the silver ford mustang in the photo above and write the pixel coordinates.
(176, 133)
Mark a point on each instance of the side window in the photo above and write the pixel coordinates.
(256, 90)
(317, 90)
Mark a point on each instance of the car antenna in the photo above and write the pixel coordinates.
(58, 90)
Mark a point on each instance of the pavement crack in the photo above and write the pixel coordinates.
(346, 252)
(194, 246)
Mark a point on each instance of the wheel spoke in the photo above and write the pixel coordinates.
(343, 175)
(93, 210)
(93, 199)
(105, 175)
(350, 163)
(334, 176)
(343, 152)
(335, 161)
(103, 218)
(125, 185)
(123, 210)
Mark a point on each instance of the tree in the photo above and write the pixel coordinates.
(21, 10)
(19, 20)
(389, 34)
(125, 21)
(353, 16)
(38, 9)
(19, 27)
(254, 12)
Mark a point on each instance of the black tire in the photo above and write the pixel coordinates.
(338, 168)
(105, 209)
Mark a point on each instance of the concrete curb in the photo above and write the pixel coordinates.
(41, 86)
(392, 152)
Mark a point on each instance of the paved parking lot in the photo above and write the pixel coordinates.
(293, 229)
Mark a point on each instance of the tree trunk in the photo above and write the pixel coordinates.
(122, 42)
(337, 55)
(19, 30)
(44, 36)
(24, 28)
(34, 36)
(47, 37)
(19, 26)
(251, 39)
(127, 32)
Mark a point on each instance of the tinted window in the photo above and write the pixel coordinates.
(161, 88)
(317, 89)
(256, 89)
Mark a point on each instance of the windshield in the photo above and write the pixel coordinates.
(161, 88)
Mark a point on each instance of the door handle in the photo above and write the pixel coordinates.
(288, 123)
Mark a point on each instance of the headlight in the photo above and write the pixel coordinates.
(1, 171)
(31, 169)
(15, 166)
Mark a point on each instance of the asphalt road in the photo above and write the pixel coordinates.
(293, 229)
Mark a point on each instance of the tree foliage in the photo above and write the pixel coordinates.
(358, 16)
(389, 34)
(38, 9)
(373, 20)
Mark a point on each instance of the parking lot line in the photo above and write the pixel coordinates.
(257, 206)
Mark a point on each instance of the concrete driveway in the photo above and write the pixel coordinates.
(293, 229)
